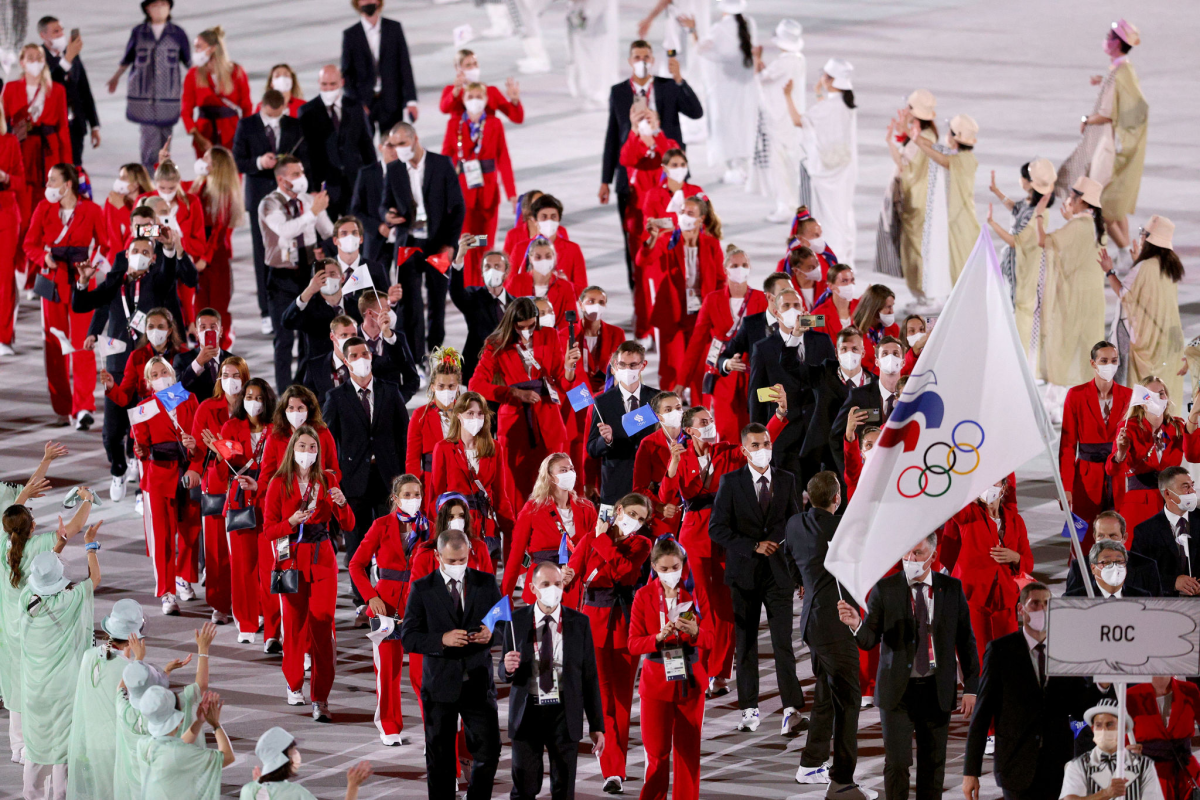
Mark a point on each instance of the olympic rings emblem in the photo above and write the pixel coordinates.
(939, 471)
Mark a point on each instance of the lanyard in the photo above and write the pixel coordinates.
(474, 130)
(531, 360)
(737, 322)
(137, 294)
(308, 495)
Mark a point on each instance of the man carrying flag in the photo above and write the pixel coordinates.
(621, 418)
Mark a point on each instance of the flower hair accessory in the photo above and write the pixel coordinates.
(446, 355)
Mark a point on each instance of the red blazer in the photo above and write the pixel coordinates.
(656, 197)
(385, 542)
(133, 386)
(833, 323)
(714, 322)
(494, 147)
(537, 531)
(600, 563)
(293, 107)
(1084, 424)
(214, 228)
(670, 306)
(313, 560)
(1148, 726)
(496, 101)
(452, 473)
(644, 626)
(869, 339)
(11, 190)
(819, 288)
(987, 584)
(39, 153)
(561, 293)
(568, 261)
(698, 490)
(424, 432)
(518, 237)
(1143, 458)
(649, 469)
(162, 477)
(853, 459)
(189, 214)
(594, 364)
(644, 164)
(198, 95)
(425, 558)
(212, 415)
(277, 445)
(119, 225)
(238, 430)
(86, 229)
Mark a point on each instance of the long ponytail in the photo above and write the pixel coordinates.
(18, 524)
(744, 40)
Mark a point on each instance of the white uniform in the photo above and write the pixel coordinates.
(592, 50)
(780, 179)
(694, 68)
(732, 108)
(830, 135)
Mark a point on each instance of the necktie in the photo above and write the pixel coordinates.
(764, 493)
(337, 120)
(1041, 658)
(633, 403)
(546, 655)
(272, 139)
(365, 396)
(888, 406)
(295, 209)
(921, 662)
(455, 597)
(1181, 536)
(212, 368)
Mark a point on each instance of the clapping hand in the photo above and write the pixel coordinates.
(89, 535)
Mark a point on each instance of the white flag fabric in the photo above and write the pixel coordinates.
(965, 419)
(64, 341)
(143, 412)
(360, 278)
(108, 346)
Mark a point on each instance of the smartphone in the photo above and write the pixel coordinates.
(929, 323)
(874, 415)
(209, 339)
(766, 394)
(812, 320)
(148, 231)
(481, 241)
(665, 222)
(323, 185)
(74, 34)
(672, 53)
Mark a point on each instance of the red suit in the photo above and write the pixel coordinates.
(607, 572)
(308, 613)
(833, 323)
(724, 394)
(47, 143)
(561, 294)
(1135, 479)
(492, 506)
(644, 166)
(649, 471)
(12, 194)
(811, 297)
(212, 415)
(452, 104)
(852, 457)
(119, 225)
(169, 514)
(425, 430)
(568, 261)
(518, 237)
(213, 113)
(1084, 447)
(71, 378)
(871, 338)
(215, 287)
(488, 147)
(247, 598)
(1162, 740)
(706, 560)
(539, 533)
(672, 711)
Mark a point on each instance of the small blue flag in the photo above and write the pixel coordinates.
(564, 551)
(609, 380)
(638, 419)
(501, 612)
(172, 396)
(1077, 726)
(581, 397)
(1080, 528)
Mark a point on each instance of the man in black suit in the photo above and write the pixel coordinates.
(369, 422)
(871, 403)
(1143, 572)
(1031, 712)
(364, 205)
(371, 275)
(837, 696)
(392, 361)
(338, 137)
(481, 306)
(443, 622)
(328, 369)
(554, 683)
(920, 620)
(313, 313)
(423, 204)
(750, 512)
(1171, 538)
(607, 439)
(66, 67)
(259, 140)
(198, 369)
(375, 62)
(1109, 563)
(670, 97)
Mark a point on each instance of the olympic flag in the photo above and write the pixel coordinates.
(968, 416)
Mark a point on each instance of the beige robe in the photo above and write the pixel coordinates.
(960, 196)
(1151, 308)
(1072, 304)
(914, 192)
(1129, 120)
(1028, 268)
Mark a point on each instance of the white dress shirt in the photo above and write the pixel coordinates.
(626, 394)
(556, 635)
(1139, 770)
(373, 35)
(273, 124)
(462, 592)
(307, 224)
(1032, 643)
(416, 182)
(756, 477)
(370, 387)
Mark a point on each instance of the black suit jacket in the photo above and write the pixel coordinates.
(382, 439)
(1143, 575)
(364, 204)
(670, 99)
(395, 364)
(579, 690)
(890, 624)
(80, 102)
(312, 322)
(482, 312)
(396, 85)
(1155, 540)
(1032, 722)
(867, 396)
(738, 524)
(431, 613)
(808, 537)
(616, 459)
(338, 154)
(829, 392)
(250, 141)
(766, 369)
(444, 208)
(317, 375)
(201, 385)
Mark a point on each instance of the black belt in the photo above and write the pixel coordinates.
(539, 556)
(609, 597)
(543, 390)
(427, 462)
(477, 503)
(1168, 750)
(699, 502)
(43, 130)
(311, 534)
(214, 113)
(251, 473)
(400, 575)
(166, 452)
(1094, 452)
(1144, 480)
(486, 165)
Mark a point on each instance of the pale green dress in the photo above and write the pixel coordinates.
(176, 770)
(54, 638)
(276, 790)
(10, 610)
(92, 752)
(128, 767)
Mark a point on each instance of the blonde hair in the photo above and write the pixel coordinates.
(3, 122)
(44, 78)
(138, 175)
(399, 483)
(151, 363)
(732, 251)
(543, 487)
(167, 171)
(475, 86)
(223, 189)
(219, 68)
(444, 360)
(712, 223)
(243, 373)
(485, 445)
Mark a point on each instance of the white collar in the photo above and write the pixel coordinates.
(927, 580)
(446, 577)
(626, 394)
(370, 383)
(1173, 519)
(368, 27)
(352, 265)
(1108, 594)
(556, 614)
(271, 122)
(755, 475)
(420, 163)
(1029, 640)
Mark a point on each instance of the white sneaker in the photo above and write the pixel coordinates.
(6, 350)
(812, 774)
(137, 506)
(990, 747)
(307, 662)
(184, 590)
(320, 712)
(272, 647)
(533, 66)
(169, 607)
(391, 739)
(295, 698)
(613, 785)
(133, 473)
(83, 421)
(220, 618)
(246, 637)
(116, 489)
(867, 701)
(793, 722)
(749, 721)
(267, 328)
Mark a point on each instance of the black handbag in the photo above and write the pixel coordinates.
(240, 519)
(210, 504)
(285, 581)
(45, 288)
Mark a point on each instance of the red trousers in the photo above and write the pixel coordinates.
(989, 623)
(673, 346)
(172, 534)
(216, 564)
(671, 732)
(8, 282)
(728, 403)
(271, 604)
(243, 578)
(72, 378)
(389, 658)
(711, 591)
(187, 304)
(868, 667)
(616, 670)
(310, 608)
(215, 290)
(479, 220)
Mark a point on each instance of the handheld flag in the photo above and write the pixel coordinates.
(463, 34)
(227, 448)
(356, 278)
(64, 342)
(638, 419)
(173, 396)
(440, 262)
(501, 612)
(1141, 395)
(564, 550)
(1080, 528)
(405, 253)
(143, 413)
(581, 397)
(108, 346)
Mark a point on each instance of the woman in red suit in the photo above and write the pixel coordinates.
(36, 110)
(249, 426)
(875, 316)
(466, 71)
(428, 424)
(650, 464)
(554, 518)
(914, 336)
(543, 280)
(839, 307)
(673, 629)
(283, 79)
(211, 417)
(525, 229)
(1167, 742)
(160, 338)
(216, 94)
(721, 315)
(524, 369)
(854, 453)
(12, 190)
(133, 182)
(301, 501)
(607, 564)
(217, 195)
(470, 462)
(60, 250)
(391, 542)
(547, 213)
(163, 442)
(808, 278)
(664, 198)
(479, 152)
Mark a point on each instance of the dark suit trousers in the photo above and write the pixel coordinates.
(115, 433)
(837, 699)
(78, 129)
(424, 324)
(543, 728)
(283, 288)
(366, 508)
(622, 207)
(482, 727)
(918, 713)
(747, 611)
(1047, 781)
(261, 271)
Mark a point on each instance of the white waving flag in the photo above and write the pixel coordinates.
(967, 418)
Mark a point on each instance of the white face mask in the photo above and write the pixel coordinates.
(845, 292)
(168, 194)
(409, 506)
(644, 128)
(687, 222)
(550, 596)
(54, 194)
(157, 336)
(593, 310)
(34, 68)
(677, 174)
(349, 243)
(330, 96)
(472, 75)
(405, 153)
(331, 287)
(282, 83)
(709, 432)
(628, 376)
(1105, 740)
(760, 458)
(738, 274)
(300, 185)
(200, 57)
(458, 524)
(627, 525)
(121, 186)
(305, 460)
(788, 317)
(565, 480)
(671, 579)
(200, 168)
(543, 266)
(526, 333)
(915, 338)
(887, 319)
(1113, 574)
(641, 69)
(253, 407)
(361, 367)
(475, 106)
(138, 262)
(296, 418)
(59, 43)
(1156, 406)
(546, 320)
(813, 274)
(1187, 502)
(1037, 620)
(547, 227)
(914, 569)
(446, 396)
(990, 495)
(890, 364)
(1105, 371)
(471, 425)
(672, 419)
(849, 361)
(455, 571)
(158, 384)
(493, 278)
(232, 386)
(817, 245)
